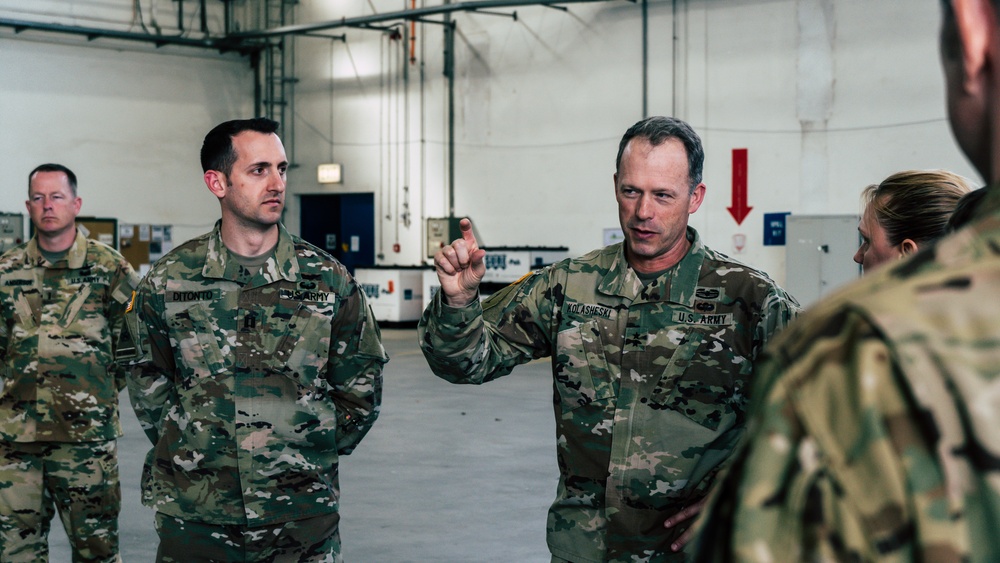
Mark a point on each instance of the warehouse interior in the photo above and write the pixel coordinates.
(401, 116)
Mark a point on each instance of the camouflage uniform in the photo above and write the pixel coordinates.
(59, 397)
(874, 424)
(649, 383)
(251, 386)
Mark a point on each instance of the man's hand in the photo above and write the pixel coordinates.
(685, 515)
(460, 267)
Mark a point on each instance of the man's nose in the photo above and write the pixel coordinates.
(644, 207)
(278, 183)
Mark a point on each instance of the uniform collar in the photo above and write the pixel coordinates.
(220, 263)
(76, 256)
(680, 281)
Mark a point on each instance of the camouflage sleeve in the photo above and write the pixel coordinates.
(777, 310)
(832, 462)
(144, 349)
(122, 300)
(355, 369)
(486, 340)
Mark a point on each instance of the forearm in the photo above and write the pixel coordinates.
(149, 391)
(453, 341)
(358, 399)
(483, 341)
(355, 370)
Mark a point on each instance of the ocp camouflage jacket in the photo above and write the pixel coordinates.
(57, 324)
(650, 383)
(250, 387)
(874, 430)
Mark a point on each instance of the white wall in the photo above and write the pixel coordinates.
(826, 96)
(126, 118)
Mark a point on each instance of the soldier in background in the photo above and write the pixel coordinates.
(257, 363)
(905, 212)
(652, 342)
(874, 422)
(62, 299)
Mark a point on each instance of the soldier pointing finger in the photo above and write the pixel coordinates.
(653, 344)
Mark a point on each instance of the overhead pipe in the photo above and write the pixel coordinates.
(413, 35)
(221, 44)
(418, 13)
(645, 59)
(676, 58)
(449, 71)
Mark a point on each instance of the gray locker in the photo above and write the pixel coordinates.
(820, 251)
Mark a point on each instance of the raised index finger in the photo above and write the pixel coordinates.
(465, 225)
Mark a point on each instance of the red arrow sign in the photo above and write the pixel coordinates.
(739, 210)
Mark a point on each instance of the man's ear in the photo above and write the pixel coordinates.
(975, 22)
(908, 247)
(217, 183)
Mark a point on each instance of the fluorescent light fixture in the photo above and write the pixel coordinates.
(328, 174)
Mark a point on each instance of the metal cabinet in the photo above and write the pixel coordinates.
(820, 255)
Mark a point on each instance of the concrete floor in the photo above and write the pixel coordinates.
(449, 473)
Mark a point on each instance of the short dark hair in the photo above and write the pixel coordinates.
(217, 152)
(656, 130)
(965, 209)
(51, 167)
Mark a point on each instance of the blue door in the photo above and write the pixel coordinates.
(341, 224)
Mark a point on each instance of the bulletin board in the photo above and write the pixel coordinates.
(143, 244)
(101, 229)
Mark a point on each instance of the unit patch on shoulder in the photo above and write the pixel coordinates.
(502, 298)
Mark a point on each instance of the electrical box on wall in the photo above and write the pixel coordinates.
(11, 230)
(440, 232)
(820, 251)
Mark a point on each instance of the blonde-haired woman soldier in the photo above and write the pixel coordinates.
(904, 212)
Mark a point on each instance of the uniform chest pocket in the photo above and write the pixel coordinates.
(582, 375)
(303, 352)
(194, 334)
(18, 311)
(704, 380)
